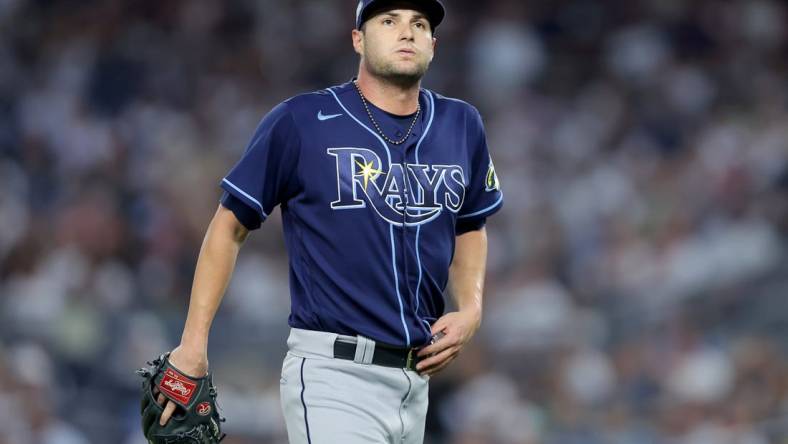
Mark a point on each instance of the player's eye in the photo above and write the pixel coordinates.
(421, 25)
(388, 21)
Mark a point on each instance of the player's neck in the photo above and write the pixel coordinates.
(389, 97)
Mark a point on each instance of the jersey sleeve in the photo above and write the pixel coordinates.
(483, 196)
(265, 176)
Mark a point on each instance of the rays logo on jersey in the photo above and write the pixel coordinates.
(361, 181)
(491, 181)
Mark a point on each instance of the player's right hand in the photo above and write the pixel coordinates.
(191, 363)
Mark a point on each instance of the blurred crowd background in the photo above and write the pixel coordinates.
(637, 286)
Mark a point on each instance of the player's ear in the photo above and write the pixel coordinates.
(358, 41)
(434, 44)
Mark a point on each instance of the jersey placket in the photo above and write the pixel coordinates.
(402, 152)
(420, 132)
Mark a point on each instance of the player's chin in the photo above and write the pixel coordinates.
(408, 69)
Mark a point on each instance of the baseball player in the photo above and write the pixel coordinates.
(384, 189)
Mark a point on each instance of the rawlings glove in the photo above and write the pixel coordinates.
(196, 419)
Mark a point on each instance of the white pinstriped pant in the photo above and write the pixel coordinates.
(330, 401)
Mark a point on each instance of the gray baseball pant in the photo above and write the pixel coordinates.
(326, 400)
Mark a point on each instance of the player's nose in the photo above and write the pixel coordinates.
(406, 32)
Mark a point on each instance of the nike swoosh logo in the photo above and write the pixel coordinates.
(322, 117)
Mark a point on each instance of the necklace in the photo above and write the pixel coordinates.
(377, 127)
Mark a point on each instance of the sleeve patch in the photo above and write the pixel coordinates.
(491, 180)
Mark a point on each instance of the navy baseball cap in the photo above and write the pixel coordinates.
(433, 9)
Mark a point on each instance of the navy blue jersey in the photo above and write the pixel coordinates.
(369, 226)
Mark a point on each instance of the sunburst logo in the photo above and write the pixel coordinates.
(368, 171)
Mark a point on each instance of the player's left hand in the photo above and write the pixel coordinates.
(453, 331)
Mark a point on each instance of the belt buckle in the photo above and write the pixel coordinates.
(409, 361)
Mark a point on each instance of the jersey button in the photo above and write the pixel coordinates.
(399, 134)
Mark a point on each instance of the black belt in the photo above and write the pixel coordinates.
(384, 355)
